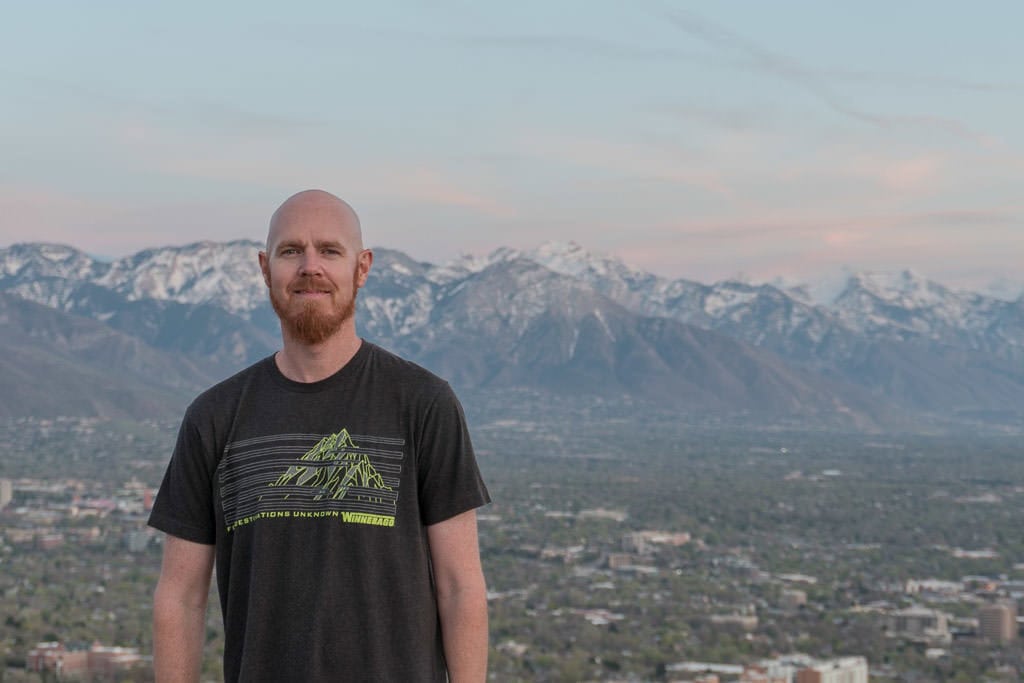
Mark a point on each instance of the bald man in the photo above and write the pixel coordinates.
(334, 487)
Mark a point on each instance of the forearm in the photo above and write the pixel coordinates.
(464, 631)
(178, 637)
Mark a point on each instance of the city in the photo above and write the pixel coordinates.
(686, 553)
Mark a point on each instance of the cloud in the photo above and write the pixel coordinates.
(904, 81)
(283, 163)
(431, 186)
(911, 174)
(118, 226)
(815, 82)
(636, 162)
(918, 174)
(734, 119)
(588, 46)
(798, 244)
(32, 213)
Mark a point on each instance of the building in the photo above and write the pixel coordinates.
(620, 560)
(933, 586)
(919, 623)
(793, 599)
(49, 541)
(106, 662)
(136, 541)
(756, 674)
(94, 661)
(747, 622)
(635, 542)
(6, 492)
(641, 541)
(843, 670)
(782, 669)
(704, 670)
(56, 657)
(997, 621)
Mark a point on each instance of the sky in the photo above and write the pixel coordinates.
(707, 140)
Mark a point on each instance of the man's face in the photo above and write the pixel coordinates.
(313, 269)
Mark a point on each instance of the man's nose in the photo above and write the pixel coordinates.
(311, 263)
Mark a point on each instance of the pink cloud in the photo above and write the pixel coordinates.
(41, 214)
(911, 174)
(433, 187)
(121, 226)
(842, 238)
(243, 161)
(637, 161)
(798, 244)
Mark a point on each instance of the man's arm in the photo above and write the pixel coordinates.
(461, 596)
(179, 610)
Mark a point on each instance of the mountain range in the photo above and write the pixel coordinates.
(137, 336)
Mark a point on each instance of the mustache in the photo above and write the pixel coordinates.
(312, 283)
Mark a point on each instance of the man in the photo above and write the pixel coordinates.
(335, 486)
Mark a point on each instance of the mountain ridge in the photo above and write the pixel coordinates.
(558, 318)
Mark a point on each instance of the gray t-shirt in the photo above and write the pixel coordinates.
(317, 496)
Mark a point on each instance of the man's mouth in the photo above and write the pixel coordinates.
(309, 288)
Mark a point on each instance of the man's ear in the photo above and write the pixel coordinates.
(265, 267)
(363, 266)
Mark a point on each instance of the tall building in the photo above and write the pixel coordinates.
(844, 670)
(997, 621)
(6, 492)
(635, 542)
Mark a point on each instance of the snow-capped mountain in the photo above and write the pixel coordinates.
(908, 307)
(1004, 288)
(203, 273)
(46, 273)
(560, 318)
(224, 275)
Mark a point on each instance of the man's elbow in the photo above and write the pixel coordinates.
(170, 601)
(466, 579)
(467, 591)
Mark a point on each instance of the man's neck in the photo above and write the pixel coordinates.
(311, 363)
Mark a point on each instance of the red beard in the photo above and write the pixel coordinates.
(308, 322)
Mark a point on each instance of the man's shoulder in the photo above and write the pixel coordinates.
(395, 367)
(222, 392)
(384, 360)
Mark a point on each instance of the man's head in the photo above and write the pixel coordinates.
(313, 265)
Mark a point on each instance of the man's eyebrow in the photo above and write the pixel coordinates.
(319, 244)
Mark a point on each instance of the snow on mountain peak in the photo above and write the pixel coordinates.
(466, 264)
(561, 250)
(904, 288)
(569, 258)
(1004, 288)
(57, 252)
(45, 259)
(203, 272)
(225, 275)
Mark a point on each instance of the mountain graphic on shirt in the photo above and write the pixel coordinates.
(332, 467)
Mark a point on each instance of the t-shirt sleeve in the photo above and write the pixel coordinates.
(184, 504)
(449, 479)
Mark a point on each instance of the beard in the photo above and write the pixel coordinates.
(308, 322)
